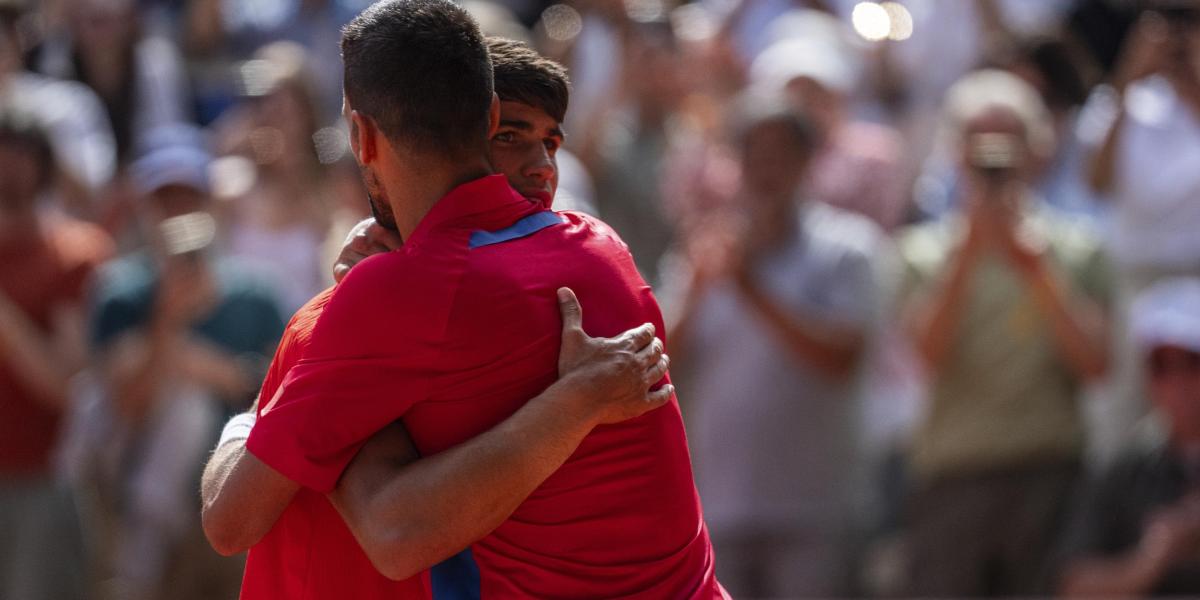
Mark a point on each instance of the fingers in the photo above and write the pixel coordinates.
(571, 311)
(649, 355)
(339, 271)
(639, 337)
(384, 238)
(659, 397)
(658, 370)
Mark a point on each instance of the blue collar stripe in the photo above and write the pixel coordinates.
(525, 227)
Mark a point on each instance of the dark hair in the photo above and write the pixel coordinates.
(420, 70)
(21, 129)
(523, 75)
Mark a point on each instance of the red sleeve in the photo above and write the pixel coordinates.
(292, 346)
(373, 354)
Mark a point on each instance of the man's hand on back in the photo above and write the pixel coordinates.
(365, 239)
(611, 376)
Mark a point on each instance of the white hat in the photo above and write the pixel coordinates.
(1168, 314)
(819, 60)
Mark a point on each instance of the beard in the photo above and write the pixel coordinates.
(381, 209)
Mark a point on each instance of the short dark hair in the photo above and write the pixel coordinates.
(420, 70)
(522, 75)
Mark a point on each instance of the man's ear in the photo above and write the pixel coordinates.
(494, 116)
(364, 137)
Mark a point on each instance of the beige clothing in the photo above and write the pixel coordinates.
(1005, 398)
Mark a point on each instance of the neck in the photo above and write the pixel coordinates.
(419, 187)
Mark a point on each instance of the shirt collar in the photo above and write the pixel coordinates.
(480, 198)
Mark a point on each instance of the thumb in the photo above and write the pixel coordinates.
(569, 308)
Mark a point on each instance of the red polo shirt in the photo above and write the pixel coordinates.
(310, 554)
(456, 331)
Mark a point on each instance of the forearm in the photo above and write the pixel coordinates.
(138, 364)
(410, 517)
(242, 498)
(1076, 324)
(828, 348)
(934, 320)
(33, 357)
(1101, 167)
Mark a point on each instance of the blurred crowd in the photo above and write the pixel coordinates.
(931, 271)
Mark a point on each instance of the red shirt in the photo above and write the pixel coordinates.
(43, 270)
(453, 333)
(309, 552)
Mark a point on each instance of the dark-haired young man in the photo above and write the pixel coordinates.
(534, 95)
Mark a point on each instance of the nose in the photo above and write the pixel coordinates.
(541, 168)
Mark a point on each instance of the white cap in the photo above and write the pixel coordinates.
(1168, 314)
(823, 62)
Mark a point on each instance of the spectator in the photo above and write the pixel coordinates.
(45, 266)
(139, 79)
(71, 115)
(183, 339)
(770, 331)
(275, 188)
(858, 167)
(1138, 531)
(1146, 163)
(632, 144)
(1006, 305)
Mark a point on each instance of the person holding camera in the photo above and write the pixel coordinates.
(182, 338)
(1006, 306)
(1145, 160)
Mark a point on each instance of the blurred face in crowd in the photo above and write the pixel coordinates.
(20, 179)
(1174, 378)
(821, 104)
(524, 149)
(176, 200)
(102, 24)
(656, 82)
(773, 162)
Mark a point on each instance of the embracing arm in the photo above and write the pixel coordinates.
(396, 511)
(409, 517)
(242, 496)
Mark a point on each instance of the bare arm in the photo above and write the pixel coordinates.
(934, 318)
(829, 347)
(410, 517)
(1142, 55)
(242, 497)
(602, 378)
(1078, 325)
(44, 362)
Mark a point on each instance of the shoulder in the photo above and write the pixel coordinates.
(389, 301)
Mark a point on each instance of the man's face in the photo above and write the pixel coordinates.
(1174, 378)
(773, 164)
(524, 150)
(19, 179)
(177, 200)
